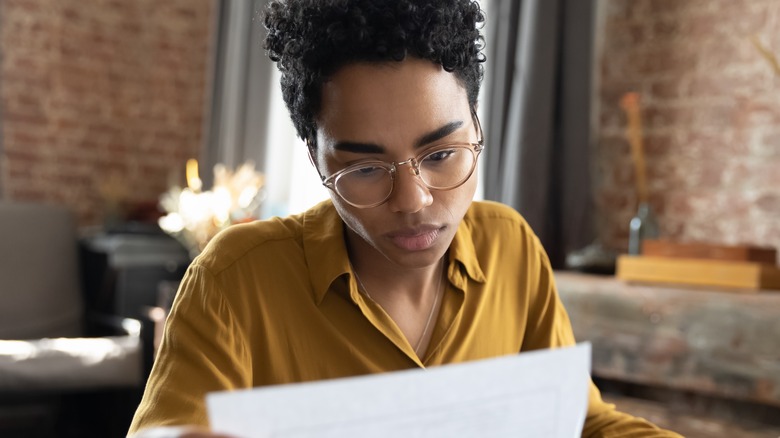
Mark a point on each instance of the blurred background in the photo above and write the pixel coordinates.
(131, 132)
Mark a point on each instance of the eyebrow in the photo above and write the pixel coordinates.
(373, 148)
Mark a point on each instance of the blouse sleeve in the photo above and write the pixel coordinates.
(549, 327)
(203, 349)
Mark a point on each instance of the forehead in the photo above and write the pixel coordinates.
(388, 102)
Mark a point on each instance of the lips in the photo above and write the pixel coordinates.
(415, 239)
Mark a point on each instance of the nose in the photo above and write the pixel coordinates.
(409, 195)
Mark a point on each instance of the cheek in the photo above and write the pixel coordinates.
(459, 199)
(356, 219)
(471, 185)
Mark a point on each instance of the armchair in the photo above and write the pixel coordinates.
(59, 366)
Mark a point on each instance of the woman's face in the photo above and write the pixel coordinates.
(392, 112)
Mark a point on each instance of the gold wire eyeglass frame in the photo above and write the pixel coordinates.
(414, 162)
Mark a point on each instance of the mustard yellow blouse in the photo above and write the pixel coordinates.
(275, 302)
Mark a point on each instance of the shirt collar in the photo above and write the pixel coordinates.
(326, 252)
(324, 247)
(462, 249)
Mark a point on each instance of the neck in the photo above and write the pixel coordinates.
(409, 285)
(378, 271)
(410, 296)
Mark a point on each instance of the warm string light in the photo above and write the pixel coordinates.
(195, 216)
(193, 178)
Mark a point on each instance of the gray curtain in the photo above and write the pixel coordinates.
(538, 133)
(238, 104)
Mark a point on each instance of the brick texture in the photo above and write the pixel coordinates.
(711, 113)
(102, 101)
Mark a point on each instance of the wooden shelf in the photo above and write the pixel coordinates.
(699, 339)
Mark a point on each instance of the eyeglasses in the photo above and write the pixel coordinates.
(443, 167)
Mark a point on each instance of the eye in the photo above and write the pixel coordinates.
(439, 155)
(366, 172)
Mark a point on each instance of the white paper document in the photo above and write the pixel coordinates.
(536, 394)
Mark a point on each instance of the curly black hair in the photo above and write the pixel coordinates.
(311, 39)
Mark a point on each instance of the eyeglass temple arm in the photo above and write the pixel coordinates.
(310, 153)
(478, 125)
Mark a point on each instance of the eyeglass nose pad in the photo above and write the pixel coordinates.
(414, 168)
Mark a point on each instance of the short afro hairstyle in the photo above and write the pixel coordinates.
(311, 39)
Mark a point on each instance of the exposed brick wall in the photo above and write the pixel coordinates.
(100, 97)
(711, 109)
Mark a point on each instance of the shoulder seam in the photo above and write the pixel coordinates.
(239, 255)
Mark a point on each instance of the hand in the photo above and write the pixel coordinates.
(178, 432)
